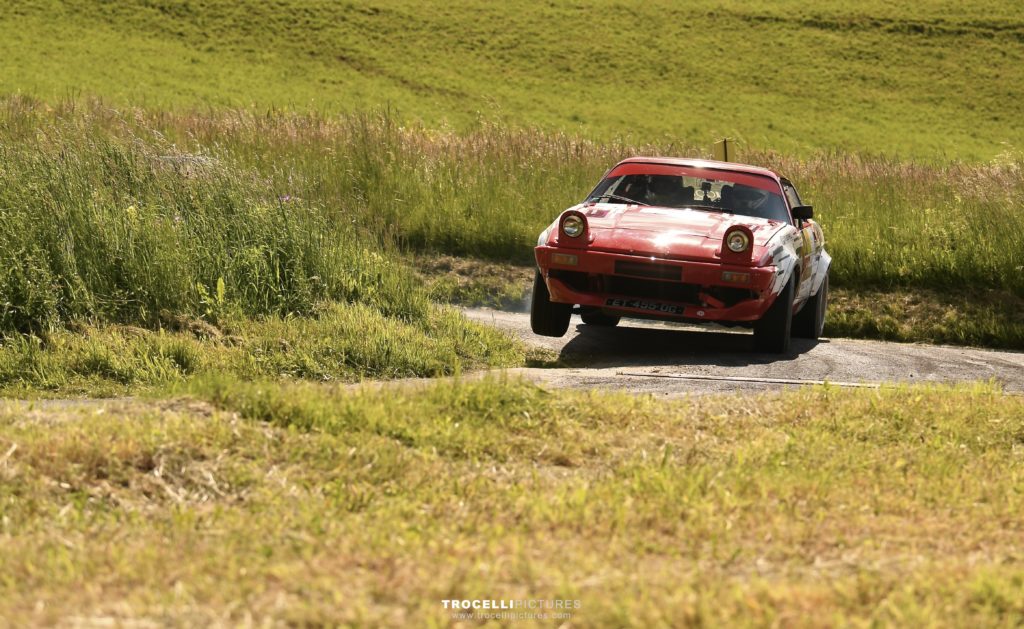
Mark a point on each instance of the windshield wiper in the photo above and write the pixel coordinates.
(617, 196)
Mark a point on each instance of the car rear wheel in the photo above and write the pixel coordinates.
(772, 331)
(546, 317)
(809, 322)
(598, 318)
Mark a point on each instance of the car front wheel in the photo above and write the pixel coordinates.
(772, 331)
(546, 317)
(809, 322)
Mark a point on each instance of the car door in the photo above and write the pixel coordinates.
(810, 247)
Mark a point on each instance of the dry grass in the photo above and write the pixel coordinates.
(307, 504)
(476, 282)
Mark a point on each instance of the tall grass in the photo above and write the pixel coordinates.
(489, 192)
(124, 215)
(101, 218)
(891, 223)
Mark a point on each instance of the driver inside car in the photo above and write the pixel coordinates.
(667, 191)
(750, 201)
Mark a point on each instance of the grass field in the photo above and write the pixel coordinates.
(936, 79)
(303, 504)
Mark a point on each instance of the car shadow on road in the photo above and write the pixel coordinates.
(653, 346)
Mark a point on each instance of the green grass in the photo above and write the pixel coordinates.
(303, 504)
(340, 342)
(936, 79)
(101, 223)
(214, 204)
(249, 160)
(982, 318)
(488, 194)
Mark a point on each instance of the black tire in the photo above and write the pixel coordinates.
(809, 322)
(546, 317)
(772, 331)
(599, 319)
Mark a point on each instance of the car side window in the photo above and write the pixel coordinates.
(791, 197)
(791, 194)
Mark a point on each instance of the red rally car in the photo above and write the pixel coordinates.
(686, 240)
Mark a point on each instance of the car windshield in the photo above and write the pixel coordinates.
(681, 191)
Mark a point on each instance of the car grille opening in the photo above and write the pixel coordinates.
(654, 289)
(576, 280)
(730, 296)
(651, 289)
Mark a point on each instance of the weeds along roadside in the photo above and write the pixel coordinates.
(110, 229)
(488, 193)
(339, 343)
(107, 222)
(142, 218)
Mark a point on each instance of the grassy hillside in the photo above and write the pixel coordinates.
(307, 505)
(932, 79)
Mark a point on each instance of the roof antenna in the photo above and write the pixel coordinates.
(722, 150)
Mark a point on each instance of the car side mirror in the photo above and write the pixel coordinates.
(803, 212)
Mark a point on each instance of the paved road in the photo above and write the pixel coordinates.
(671, 360)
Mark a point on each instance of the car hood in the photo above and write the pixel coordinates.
(667, 232)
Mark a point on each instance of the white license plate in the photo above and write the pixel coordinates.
(650, 306)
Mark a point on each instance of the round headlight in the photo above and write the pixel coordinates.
(572, 226)
(737, 242)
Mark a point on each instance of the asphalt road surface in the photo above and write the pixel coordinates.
(669, 359)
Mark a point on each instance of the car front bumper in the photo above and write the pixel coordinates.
(661, 288)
